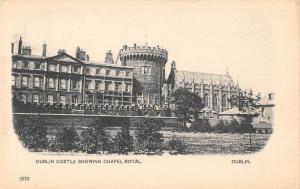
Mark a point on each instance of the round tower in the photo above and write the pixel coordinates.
(149, 71)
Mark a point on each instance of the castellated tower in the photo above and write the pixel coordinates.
(149, 71)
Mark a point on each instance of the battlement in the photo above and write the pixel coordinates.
(144, 52)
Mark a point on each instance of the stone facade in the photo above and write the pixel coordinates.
(68, 81)
(149, 71)
(217, 91)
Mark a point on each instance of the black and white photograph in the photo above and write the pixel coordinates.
(129, 87)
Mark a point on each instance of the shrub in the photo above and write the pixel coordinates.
(123, 141)
(176, 145)
(245, 126)
(66, 139)
(31, 133)
(220, 127)
(95, 139)
(147, 134)
(201, 125)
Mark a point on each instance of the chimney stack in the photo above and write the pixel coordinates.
(20, 46)
(109, 57)
(26, 50)
(80, 54)
(44, 50)
(12, 48)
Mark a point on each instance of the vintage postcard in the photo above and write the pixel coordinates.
(149, 94)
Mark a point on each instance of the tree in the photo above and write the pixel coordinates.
(95, 138)
(66, 138)
(31, 133)
(123, 140)
(147, 134)
(187, 104)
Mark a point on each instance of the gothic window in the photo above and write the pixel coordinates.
(224, 100)
(107, 73)
(74, 85)
(97, 71)
(215, 101)
(206, 100)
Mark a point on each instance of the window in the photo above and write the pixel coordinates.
(215, 101)
(14, 65)
(75, 69)
(50, 82)
(145, 70)
(51, 67)
(64, 68)
(224, 100)
(62, 84)
(87, 70)
(50, 99)
(74, 99)
(36, 98)
(23, 98)
(107, 73)
(37, 65)
(206, 99)
(24, 80)
(117, 86)
(25, 65)
(127, 87)
(127, 74)
(74, 84)
(106, 86)
(88, 85)
(36, 82)
(117, 73)
(63, 99)
(13, 80)
(97, 71)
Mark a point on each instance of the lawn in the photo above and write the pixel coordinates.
(213, 143)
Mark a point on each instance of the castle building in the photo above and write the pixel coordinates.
(149, 71)
(69, 81)
(218, 91)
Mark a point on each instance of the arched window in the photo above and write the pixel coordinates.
(215, 101)
(205, 100)
(224, 101)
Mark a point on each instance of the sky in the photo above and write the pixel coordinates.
(199, 36)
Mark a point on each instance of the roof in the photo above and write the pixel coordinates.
(233, 111)
(94, 63)
(206, 78)
(267, 100)
(29, 56)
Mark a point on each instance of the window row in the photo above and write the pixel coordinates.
(108, 86)
(107, 72)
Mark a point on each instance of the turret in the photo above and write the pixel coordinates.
(109, 57)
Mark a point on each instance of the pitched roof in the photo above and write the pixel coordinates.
(267, 100)
(206, 78)
(64, 57)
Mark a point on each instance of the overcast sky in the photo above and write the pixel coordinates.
(199, 36)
